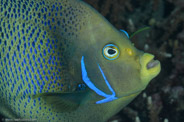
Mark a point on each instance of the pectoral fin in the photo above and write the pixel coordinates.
(7, 112)
(63, 102)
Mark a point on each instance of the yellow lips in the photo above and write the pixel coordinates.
(151, 71)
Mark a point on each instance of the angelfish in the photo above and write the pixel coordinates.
(60, 60)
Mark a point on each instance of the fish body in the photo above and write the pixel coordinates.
(60, 60)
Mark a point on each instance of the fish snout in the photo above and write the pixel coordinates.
(150, 68)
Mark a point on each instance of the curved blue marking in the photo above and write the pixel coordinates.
(88, 82)
(86, 79)
(125, 32)
(108, 99)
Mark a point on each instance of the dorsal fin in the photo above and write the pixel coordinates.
(125, 33)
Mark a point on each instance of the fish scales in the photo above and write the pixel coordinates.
(61, 61)
(33, 51)
(26, 28)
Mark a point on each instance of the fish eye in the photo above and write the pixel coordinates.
(110, 52)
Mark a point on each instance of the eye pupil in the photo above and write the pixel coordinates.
(111, 51)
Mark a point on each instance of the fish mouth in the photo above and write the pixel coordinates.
(150, 68)
(153, 63)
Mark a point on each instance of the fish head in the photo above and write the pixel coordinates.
(110, 53)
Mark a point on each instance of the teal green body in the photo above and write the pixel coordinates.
(41, 45)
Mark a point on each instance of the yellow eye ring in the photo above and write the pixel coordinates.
(110, 52)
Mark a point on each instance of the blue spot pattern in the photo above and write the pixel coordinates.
(32, 54)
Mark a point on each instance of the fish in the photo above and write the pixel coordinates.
(62, 61)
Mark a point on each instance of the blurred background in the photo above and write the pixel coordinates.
(163, 99)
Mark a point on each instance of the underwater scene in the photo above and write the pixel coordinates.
(92, 60)
(163, 99)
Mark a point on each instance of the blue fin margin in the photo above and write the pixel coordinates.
(125, 33)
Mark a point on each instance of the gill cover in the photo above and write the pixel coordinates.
(88, 82)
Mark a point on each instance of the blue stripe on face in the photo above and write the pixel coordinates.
(125, 32)
(86, 79)
(88, 82)
(110, 88)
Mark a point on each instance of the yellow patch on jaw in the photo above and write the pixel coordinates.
(148, 74)
(129, 51)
